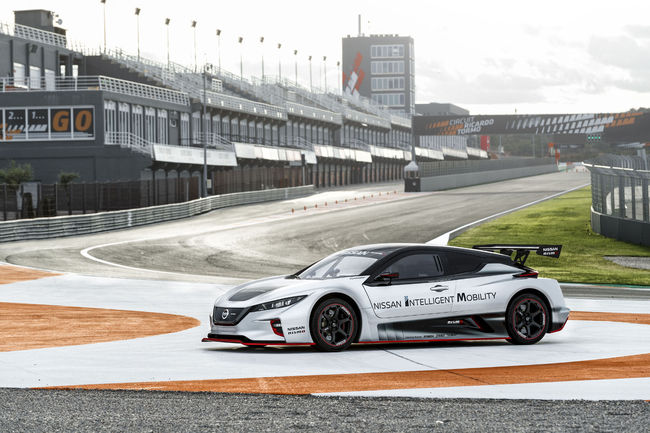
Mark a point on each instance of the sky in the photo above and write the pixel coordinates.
(491, 57)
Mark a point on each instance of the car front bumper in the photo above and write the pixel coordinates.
(291, 326)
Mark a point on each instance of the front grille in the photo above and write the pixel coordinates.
(228, 316)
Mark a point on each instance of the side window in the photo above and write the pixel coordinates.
(416, 266)
(459, 263)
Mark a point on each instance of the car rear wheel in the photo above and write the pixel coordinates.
(333, 325)
(527, 319)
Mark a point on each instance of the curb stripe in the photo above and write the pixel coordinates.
(634, 366)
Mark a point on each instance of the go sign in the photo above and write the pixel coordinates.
(76, 120)
(47, 123)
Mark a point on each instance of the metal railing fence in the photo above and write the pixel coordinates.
(620, 198)
(96, 82)
(33, 34)
(620, 192)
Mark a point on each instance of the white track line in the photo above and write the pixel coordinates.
(278, 217)
(446, 237)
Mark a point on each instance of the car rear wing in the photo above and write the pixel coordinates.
(522, 251)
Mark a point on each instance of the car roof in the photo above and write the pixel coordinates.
(404, 247)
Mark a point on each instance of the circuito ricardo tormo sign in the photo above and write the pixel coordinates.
(616, 127)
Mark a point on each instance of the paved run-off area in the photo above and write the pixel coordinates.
(178, 252)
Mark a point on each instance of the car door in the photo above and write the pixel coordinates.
(476, 292)
(414, 284)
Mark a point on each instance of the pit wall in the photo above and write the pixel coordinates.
(45, 228)
(450, 181)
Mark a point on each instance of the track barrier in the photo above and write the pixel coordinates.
(54, 227)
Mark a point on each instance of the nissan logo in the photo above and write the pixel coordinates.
(225, 314)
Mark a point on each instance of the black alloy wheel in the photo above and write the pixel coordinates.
(527, 319)
(333, 325)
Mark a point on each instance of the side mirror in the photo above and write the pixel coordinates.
(387, 276)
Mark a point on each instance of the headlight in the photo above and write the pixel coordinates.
(280, 303)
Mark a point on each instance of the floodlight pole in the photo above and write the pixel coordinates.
(137, 19)
(196, 65)
(204, 184)
(219, 48)
(325, 71)
(279, 62)
(262, 44)
(241, 63)
(167, 20)
(340, 78)
(295, 56)
(311, 86)
(104, 3)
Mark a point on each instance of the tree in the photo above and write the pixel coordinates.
(16, 174)
(65, 178)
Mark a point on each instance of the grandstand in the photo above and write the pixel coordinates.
(112, 116)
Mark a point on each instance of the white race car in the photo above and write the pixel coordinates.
(397, 293)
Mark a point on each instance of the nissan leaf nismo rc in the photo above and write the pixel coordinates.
(397, 293)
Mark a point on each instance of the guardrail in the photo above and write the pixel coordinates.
(46, 228)
(620, 203)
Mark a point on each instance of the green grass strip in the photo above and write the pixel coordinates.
(563, 220)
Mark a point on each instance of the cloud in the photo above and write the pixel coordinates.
(507, 81)
(622, 52)
(638, 31)
(486, 88)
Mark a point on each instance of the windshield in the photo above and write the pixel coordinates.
(344, 264)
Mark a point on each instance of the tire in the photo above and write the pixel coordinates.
(333, 325)
(527, 319)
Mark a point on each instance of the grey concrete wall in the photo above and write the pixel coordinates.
(439, 183)
(626, 230)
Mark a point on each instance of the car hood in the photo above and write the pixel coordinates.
(272, 288)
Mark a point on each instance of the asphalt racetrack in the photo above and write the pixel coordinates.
(176, 269)
(260, 240)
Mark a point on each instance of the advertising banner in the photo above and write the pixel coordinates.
(47, 123)
(610, 127)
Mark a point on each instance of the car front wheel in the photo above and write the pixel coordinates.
(333, 325)
(527, 319)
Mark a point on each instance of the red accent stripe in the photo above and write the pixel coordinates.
(428, 341)
(281, 343)
(477, 322)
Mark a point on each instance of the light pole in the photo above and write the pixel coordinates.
(219, 48)
(340, 78)
(137, 20)
(311, 87)
(204, 184)
(167, 20)
(279, 63)
(295, 57)
(262, 44)
(195, 62)
(241, 62)
(104, 3)
(325, 71)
